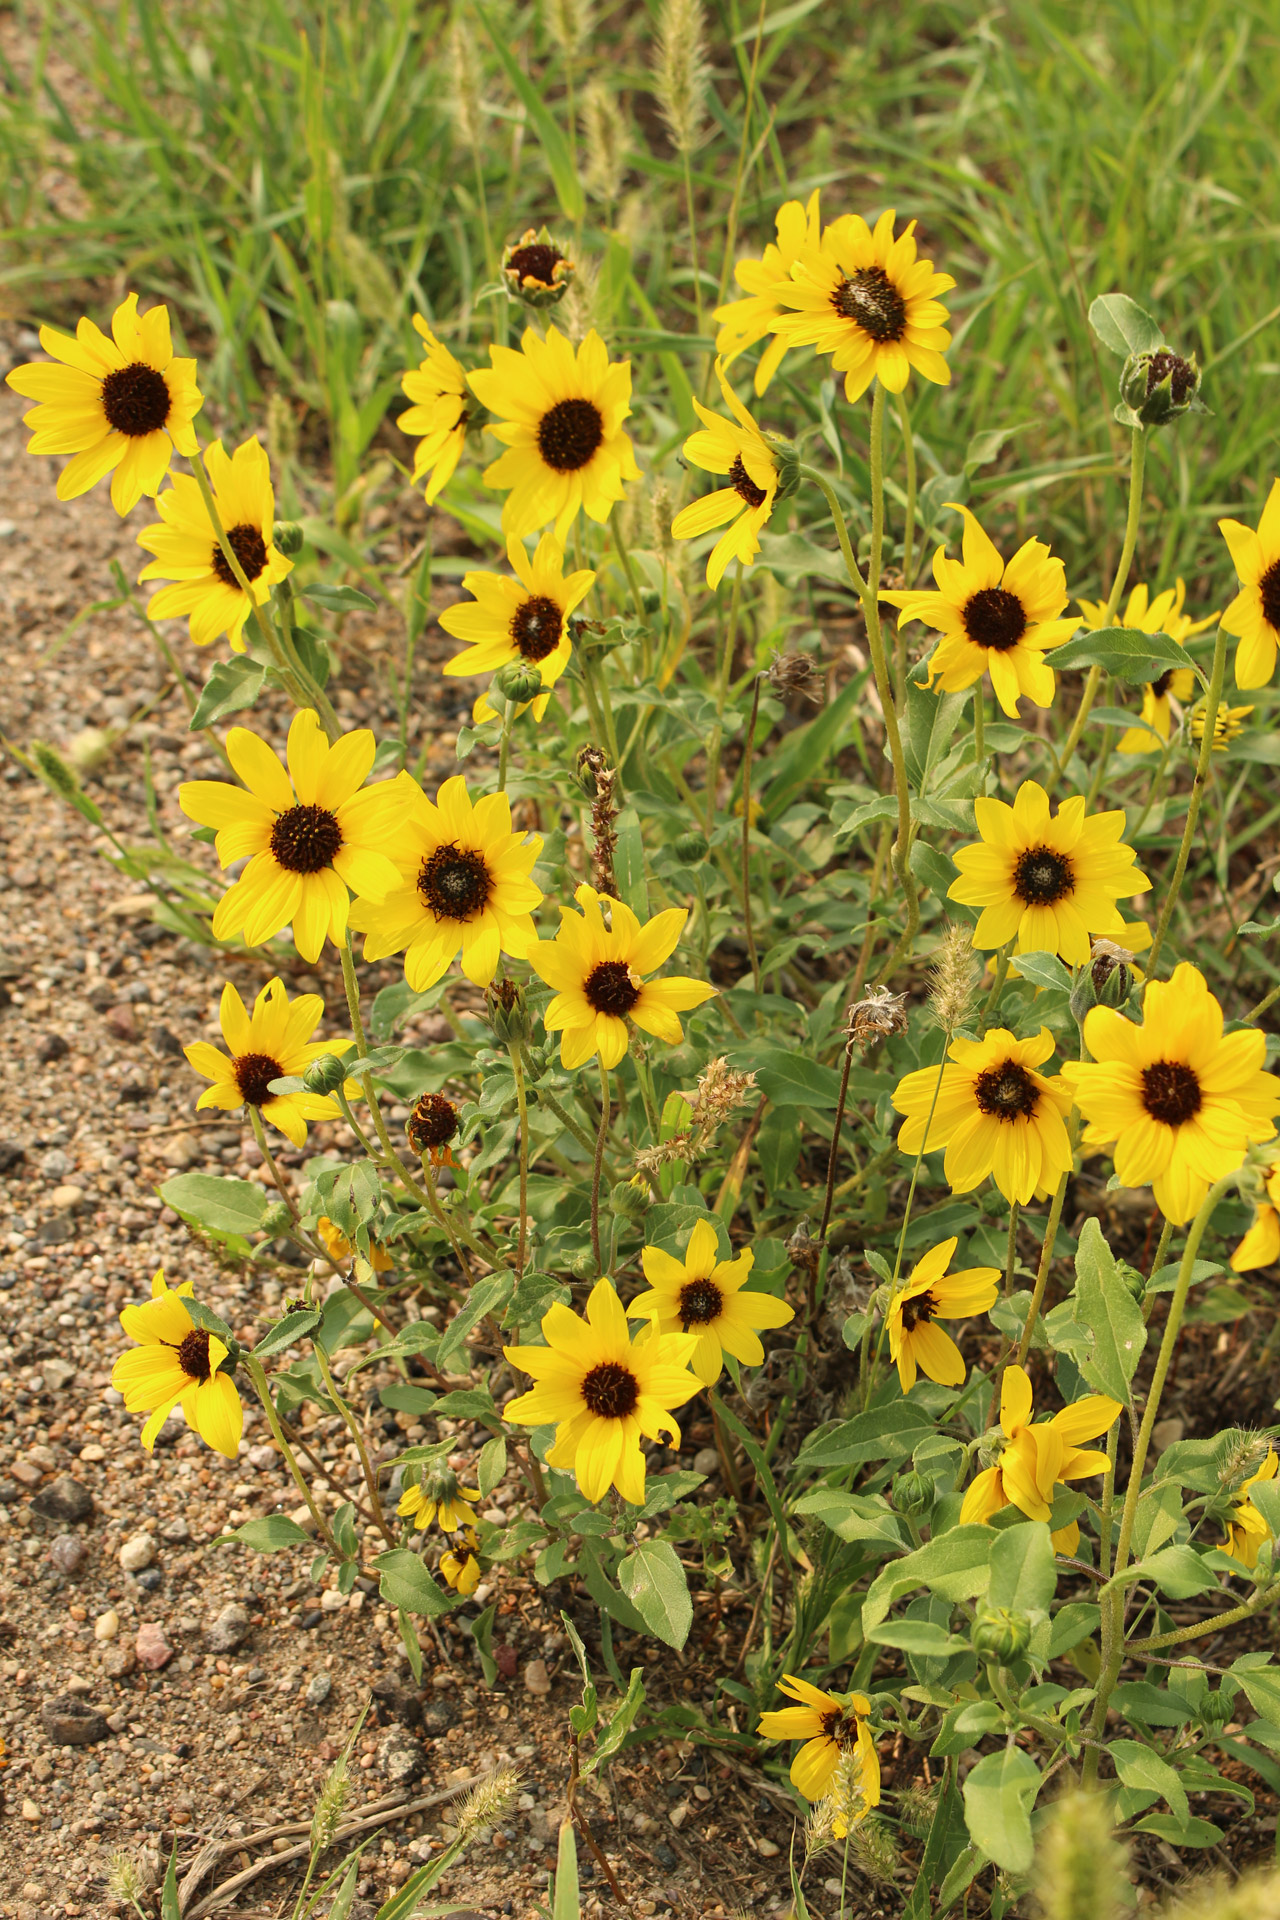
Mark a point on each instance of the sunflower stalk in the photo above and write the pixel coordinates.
(597, 1167)
(260, 1386)
(367, 1468)
(1203, 763)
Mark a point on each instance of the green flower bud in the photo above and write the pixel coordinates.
(999, 1633)
(692, 847)
(1136, 1282)
(288, 537)
(631, 1199)
(1216, 1709)
(535, 270)
(276, 1220)
(1106, 981)
(518, 682)
(508, 1012)
(583, 1265)
(912, 1494)
(1160, 386)
(324, 1075)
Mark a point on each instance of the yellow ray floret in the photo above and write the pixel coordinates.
(603, 1391)
(176, 1363)
(707, 1296)
(1247, 1531)
(438, 416)
(1254, 614)
(438, 1501)
(1261, 1245)
(994, 1114)
(119, 406)
(737, 449)
(1163, 614)
(928, 1295)
(462, 887)
(310, 833)
(272, 1043)
(1177, 1100)
(598, 975)
(828, 1724)
(458, 1563)
(187, 552)
(743, 322)
(525, 619)
(1036, 1459)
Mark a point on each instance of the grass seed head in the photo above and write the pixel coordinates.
(568, 24)
(485, 1805)
(465, 95)
(605, 135)
(955, 979)
(680, 72)
(1081, 1868)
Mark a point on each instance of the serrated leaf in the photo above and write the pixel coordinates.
(287, 1332)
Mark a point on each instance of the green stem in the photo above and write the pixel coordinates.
(628, 567)
(517, 1069)
(1011, 1257)
(504, 744)
(254, 1370)
(1214, 1624)
(909, 530)
(723, 676)
(979, 726)
(561, 1113)
(597, 1165)
(1212, 699)
(997, 987)
(1267, 1001)
(1042, 1271)
(693, 238)
(747, 749)
(353, 1428)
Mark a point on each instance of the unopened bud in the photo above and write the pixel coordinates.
(630, 1199)
(786, 458)
(1161, 386)
(508, 1011)
(913, 1494)
(288, 537)
(1133, 1279)
(1215, 1709)
(594, 772)
(1105, 981)
(276, 1220)
(518, 682)
(691, 848)
(1000, 1633)
(324, 1075)
(583, 1265)
(535, 270)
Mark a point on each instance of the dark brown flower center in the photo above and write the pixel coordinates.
(611, 1391)
(1006, 1092)
(254, 1073)
(744, 486)
(249, 548)
(537, 261)
(1160, 686)
(995, 618)
(433, 1123)
(1041, 877)
(1164, 364)
(918, 1311)
(306, 839)
(569, 433)
(193, 1355)
(839, 1726)
(135, 400)
(536, 626)
(1269, 588)
(1171, 1092)
(701, 1302)
(610, 988)
(455, 882)
(870, 299)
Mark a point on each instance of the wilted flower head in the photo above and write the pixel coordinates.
(876, 1016)
(794, 673)
(1161, 386)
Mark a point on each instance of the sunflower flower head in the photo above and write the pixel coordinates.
(521, 621)
(119, 406)
(272, 1043)
(438, 1501)
(1178, 1101)
(177, 1363)
(1261, 1245)
(1034, 1459)
(993, 618)
(1247, 1531)
(706, 1296)
(459, 1562)
(535, 270)
(598, 973)
(187, 551)
(737, 449)
(1254, 614)
(930, 1294)
(744, 322)
(829, 1724)
(993, 1112)
(603, 1390)
(440, 413)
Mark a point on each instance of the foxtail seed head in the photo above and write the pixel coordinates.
(955, 979)
(1081, 1868)
(605, 135)
(680, 74)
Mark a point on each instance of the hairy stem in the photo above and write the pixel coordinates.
(1212, 700)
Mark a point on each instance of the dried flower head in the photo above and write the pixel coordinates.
(720, 1089)
(680, 73)
(954, 980)
(795, 673)
(485, 1805)
(876, 1016)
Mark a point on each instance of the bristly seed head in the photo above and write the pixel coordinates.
(955, 978)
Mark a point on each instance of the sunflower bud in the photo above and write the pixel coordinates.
(692, 847)
(912, 1494)
(508, 1013)
(535, 270)
(1161, 386)
(1215, 1710)
(517, 682)
(583, 1265)
(1105, 981)
(1000, 1633)
(288, 537)
(325, 1074)
(630, 1199)
(276, 1220)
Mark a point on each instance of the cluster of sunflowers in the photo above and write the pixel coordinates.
(1177, 1100)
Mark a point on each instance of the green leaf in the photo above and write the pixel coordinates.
(533, 1296)
(486, 1296)
(492, 1464)
(955, 1566)
(923, 1637)
(207, 1200)
(401, 1397)
(1043, 970)
(610, 1737)
(1104, 1304)
(787, 1079)
(267, 1535)
(854, 1516)
(565, 1904)
(628, 864)
(998, 1797)
(1178, 1572)
(340, 599)
(170, 1908)
(1262, 1688)
(405, 1582)
(1123, 326)
(555, 147)
(287, 1332)
(1151, 1706)
(312, 650)
(883, 1433)
(654, 1581)
(1193, 1832)
(1138, 1766)
(1132, 656)
(232, 686)
(1023, 1573)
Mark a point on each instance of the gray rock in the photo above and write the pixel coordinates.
(68, 1553)
(536, 1678)
(137, 1552)
(70, 1723)
(319, 1687)
(58, 1374)
(228, 1630)
(176, 1532)
(64, 1499)
(706, 1460)
(400, 1758)
(52, 1047)
(118, 1661)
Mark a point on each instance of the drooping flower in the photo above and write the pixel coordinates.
(744, 322)
(993, 1113)
(525, 619)
(742, 453)
(1247, 1531)
(312, 833)
(187, 550)
(993, 618)
(603, 1390)
(438, 1500)
(1048, 882)
(1163, 614)
(272, 1043)
(438, 389)
(1254, 614)
(1261, 1245)
(458, 1562)
(120, 406)
(707, 1296)
(864, 298)
(177, 1363)
(598, 974)
(1035, 1459)
(560, 417)
(1228, 724)
(1176, 1100)
(462, 887)
(829, 1724)
(337, 1245)
(931, 1294)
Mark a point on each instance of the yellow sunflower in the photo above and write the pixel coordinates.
(1247, 1531)
(1261, 1245)
(462, 886)
(829, 1724)
(603, 1390)
(864, 298)
(1162, 615)
(743, 453)
(458, 1563)
(525, 619)
(994, 1114)
(1050, 882)
(119, 406)
(187, 551)
(176, 1363)
(1177, 1101)
(271, 1043)
(993, 618)
(310, 833)
(560, 417)
(439, 414)
(743, 322)
(931, 1294)
(707, 1296)
(1228, 725)
(438, 1500)
(1254, 614)
(1036, 1459)
(335, 1241)
(598, 974)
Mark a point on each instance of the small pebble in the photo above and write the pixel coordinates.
(767, 1848)
(66, 1199)
(706, 1460)
(536, 1678)
(332, 1601)
(151, 1647)
(319, 1687)
(137, 1552)
(121, 1022)
(64, 1499)
(228, 1630)
(67, 1552)
(107, 1625)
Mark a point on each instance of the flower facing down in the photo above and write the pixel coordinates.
(829, 1724)
(1050, 883)
(187, 550)
(1177, 1100)
(1035, 1459)
(271, 1043)
(931, 1294)
(1254, 614)
(525, 619)
(462, 887)
(743, 322)
(1228, 724)
(993, 1113)
(560, 418)
(310, 833)
(993, 618)
(1163, 614)
(336, 1244)
(1247, 1531)
(603, 1391)
(438, 1500)
(118, 405)
(458, 1562)
(598, 974)
(707, 1296)
(741, 452)
(176, 1363)
(438, 416)
(1261, 1245)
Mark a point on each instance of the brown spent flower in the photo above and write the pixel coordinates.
(431, 1126)
(875, 1017)
(598, 779)
(794, 673)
